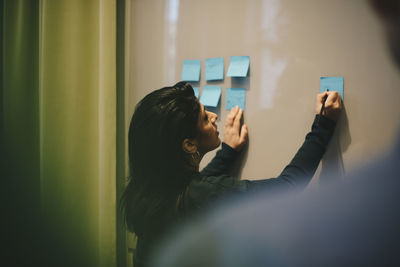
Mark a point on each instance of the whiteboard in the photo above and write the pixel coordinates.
(291, 44)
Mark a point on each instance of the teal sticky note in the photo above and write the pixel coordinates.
(191, 70)
(214, 69)
(333, 84)
(239, 66)
(196, 91)
(210, 96)
(235, 97)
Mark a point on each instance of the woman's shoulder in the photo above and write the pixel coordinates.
(213, 182)
(203, 190)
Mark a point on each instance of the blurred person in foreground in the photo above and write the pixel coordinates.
(354, 222)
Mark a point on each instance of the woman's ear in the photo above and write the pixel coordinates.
(189, 145)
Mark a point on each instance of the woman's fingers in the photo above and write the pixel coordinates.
(231, 116)
(234, 135)
(320, 97)
(333, 97)
(243, 134)
(319, 101)
(333, 104)
(236, 121)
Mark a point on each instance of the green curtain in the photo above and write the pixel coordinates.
(59, 123)
(20, 168)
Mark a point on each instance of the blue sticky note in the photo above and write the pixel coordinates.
(210, 96)
(214, 69)
(333, 84)
(196, 91)
(239, 66)
(235, 97)
(191, 70)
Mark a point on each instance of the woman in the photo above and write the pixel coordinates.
(170, 132)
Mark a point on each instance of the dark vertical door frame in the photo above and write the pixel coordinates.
(120, 136)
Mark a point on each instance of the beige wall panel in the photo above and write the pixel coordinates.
(291, 44)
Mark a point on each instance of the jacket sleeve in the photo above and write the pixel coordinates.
(212, 183)
(222, 162)
(301, 169)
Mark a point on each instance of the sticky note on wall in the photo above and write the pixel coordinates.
(235, 97)
(239, 66)
(333, 84)
(214, 69)
(210, 96)
(191, 70)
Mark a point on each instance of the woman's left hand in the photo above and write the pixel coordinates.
(234, 135)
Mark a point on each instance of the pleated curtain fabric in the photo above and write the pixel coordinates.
(58, 121)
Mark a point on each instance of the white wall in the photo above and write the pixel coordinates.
(291, 44)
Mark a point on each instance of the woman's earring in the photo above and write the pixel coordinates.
(196, 155)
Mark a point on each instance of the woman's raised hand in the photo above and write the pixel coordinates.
(234, 135)
(333, 104)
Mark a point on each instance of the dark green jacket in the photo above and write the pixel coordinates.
(213, 182)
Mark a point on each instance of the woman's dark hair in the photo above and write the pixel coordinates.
(157, 162)
(389, 9)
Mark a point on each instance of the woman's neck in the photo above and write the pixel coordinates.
(194, 164)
